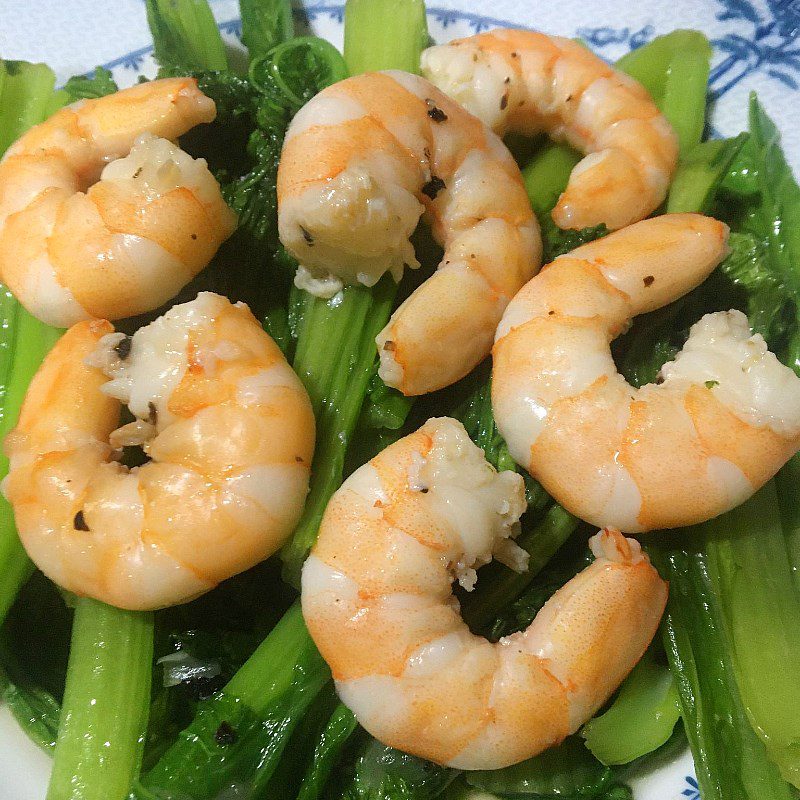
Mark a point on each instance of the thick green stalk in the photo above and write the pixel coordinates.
(26, 97)
(106, 701)
(729, 759)
(641, 718)
(788, 485)
(750, 573)
(185, 35)
(340, 728)
(700, 173)
(336, 341)
(545, 176)
(334, 359)
(384, 34)
(674, 69)
(26, 91)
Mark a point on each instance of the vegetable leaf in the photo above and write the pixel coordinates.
(98, 84)
(265, 23)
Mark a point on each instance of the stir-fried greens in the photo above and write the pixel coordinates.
(227, 696)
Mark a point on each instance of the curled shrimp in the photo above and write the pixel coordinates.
(377, 599)
(361, 162)
(723, 419)
(229, 432)
(526, 82)
(100, 218)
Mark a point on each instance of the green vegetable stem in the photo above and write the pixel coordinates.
(185, 36)
(336, 338)
(641, 718)
(265, 24)
(26, 98)
(106, 702)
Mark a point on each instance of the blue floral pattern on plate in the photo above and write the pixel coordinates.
(692, 790)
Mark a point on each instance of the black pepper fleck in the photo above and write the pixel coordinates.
(137, 173)
(648, 280)
(507, 80)
(123, 347)
(307, 236)
(389, 346)
(659, 380)
(194, 236)
(225, 734)
(153, 413)
(433, 187)
(435, 113)
(79, 523)
(504, 102)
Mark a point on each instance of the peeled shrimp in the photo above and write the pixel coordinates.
(229, 432)
(99, 217)
(361, 162)
(724, 417)
(526, 82)
(376, 595)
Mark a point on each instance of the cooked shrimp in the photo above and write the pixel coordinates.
(377, 600)
(99, 217)
(526, 82)
(361, 162)
(229, 432)
(723, 419)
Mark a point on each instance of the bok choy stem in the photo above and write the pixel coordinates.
(106, 701)
(336, 342)
(26, 98)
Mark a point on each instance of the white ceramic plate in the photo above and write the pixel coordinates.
(756, 48)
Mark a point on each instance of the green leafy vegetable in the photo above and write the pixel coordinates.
(498, 585)
(106, 702)
(85, 87)
(701, 173)
(384, 34)
(674, 69)
(239, 734)
(265, 23)
(327, 753)
(36, 712)
(567, 770)
(378, 772)
(294, 71)
(765, 299)
(641, 718)
(185, 36)
(749, 571)
(729, 759)
(26, 98)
